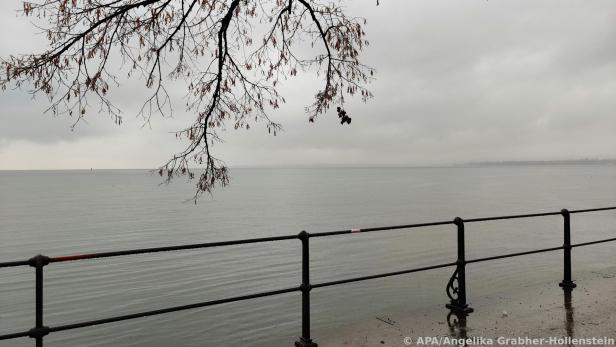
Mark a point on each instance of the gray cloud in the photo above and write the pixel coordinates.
(457, 81)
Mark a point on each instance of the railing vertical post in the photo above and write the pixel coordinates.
(39, 331)
(305, 340)
(456, 287)
(567, 283)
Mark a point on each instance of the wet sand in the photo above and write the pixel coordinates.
(535, 312)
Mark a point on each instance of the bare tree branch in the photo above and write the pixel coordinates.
(207, 44)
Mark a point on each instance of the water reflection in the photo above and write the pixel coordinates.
(569, 323)
(456, 320)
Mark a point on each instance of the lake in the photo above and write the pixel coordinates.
(65, 212)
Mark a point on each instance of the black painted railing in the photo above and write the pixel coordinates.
(456, 286)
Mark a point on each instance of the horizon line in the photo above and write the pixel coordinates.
(334, 166)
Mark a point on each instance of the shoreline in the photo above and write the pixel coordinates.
(546, 313)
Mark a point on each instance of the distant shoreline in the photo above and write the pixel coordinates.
(451, 165)
(544, 162)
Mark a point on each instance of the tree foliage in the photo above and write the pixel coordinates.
(230, 54)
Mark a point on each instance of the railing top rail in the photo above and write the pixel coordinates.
(60, 259)
(281, 238)
(515, 216)
(15, 263)
(594, 209)
(392, 227)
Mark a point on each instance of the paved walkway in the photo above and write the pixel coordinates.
(588, 311)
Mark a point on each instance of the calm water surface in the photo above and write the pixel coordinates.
(66, 212)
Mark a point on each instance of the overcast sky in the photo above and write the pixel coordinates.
(457, 81)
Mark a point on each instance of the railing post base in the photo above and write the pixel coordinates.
(457, 324)
(305, 343)
(460, 309)
(567, 285)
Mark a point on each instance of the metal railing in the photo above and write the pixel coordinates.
(455, 289)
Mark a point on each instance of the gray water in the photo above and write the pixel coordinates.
(66, 212)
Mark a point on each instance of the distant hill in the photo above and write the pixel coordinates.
(545, 162)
